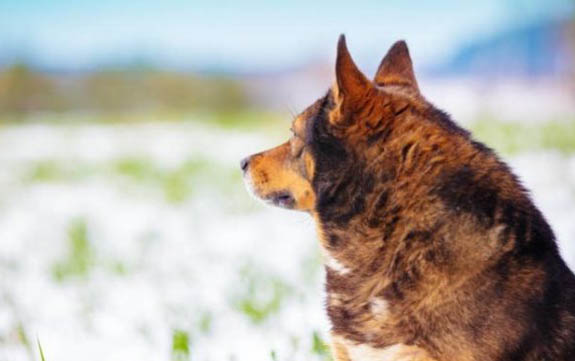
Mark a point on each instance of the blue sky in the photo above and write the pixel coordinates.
(250, 35)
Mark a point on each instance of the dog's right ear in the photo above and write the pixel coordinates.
(396, 68)
(351, 85)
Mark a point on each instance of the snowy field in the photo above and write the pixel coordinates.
(139, 242)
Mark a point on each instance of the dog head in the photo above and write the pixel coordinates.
(335, 134)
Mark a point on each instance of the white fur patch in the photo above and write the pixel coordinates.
(398, 352)
(368, 353)
(334, 264)
(379, 307)
(249, 183)
(335, 299)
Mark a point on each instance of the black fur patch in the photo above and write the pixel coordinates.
(382, 200)
(545, 311)
(464, 191)
(333, 241)
(340, 181)
(444, 121)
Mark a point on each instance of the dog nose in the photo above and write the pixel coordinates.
(244, 163)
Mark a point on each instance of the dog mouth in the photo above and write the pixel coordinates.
(282, 199)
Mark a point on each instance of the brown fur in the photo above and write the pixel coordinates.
(434, 250)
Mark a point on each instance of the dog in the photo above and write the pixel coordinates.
(433, 249)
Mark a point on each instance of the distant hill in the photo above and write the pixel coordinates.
(538, 50)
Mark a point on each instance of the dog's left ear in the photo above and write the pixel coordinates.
(396, 68)
(351, 85)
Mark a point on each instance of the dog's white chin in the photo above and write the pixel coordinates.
(248, 182)
(254, 194)
(252, 191)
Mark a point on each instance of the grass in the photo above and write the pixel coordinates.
(273, 355)
(115, 90)
(259, 308)
(80, 258)
(320, 347)
(45, 171)
(180, 345)
(260, 296)
(137, 169)
(179, 183)
(48, 171)
(513, 138)
(42, 357)
(245, 119)
(205, 322)
(176, 184)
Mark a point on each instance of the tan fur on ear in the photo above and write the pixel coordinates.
(396, 67)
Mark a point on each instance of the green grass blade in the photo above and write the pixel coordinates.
(40, 349)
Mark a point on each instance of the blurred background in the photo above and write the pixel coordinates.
(125, 229)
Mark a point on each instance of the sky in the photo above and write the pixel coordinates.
(249, 35)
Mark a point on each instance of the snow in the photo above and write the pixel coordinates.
(181, 263)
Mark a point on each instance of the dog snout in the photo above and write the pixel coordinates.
(245, 163)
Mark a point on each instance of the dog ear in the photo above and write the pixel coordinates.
(396, 68)
(351, 84)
